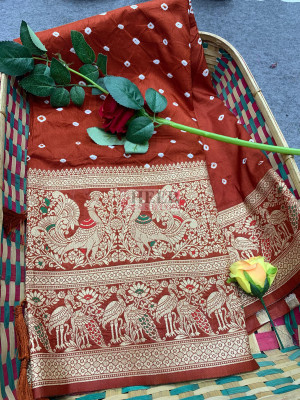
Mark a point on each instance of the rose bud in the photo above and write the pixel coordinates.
(115, 116)
(254, 275)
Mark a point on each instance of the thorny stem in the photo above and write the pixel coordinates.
(272, 323)
(94, 84)
(226, 139)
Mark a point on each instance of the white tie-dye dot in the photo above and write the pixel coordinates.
(251, 140)
(78, 143)
(82, 83)
(106, 48)
(56, 34)
(168, 118)
(41, 118)
(136, 40)
(200, 41)
(46, 101)
(75, 123)
(41, 146)
(187, 94)
(206, 147)
(221, 117)
(126, 155)
(134, 7)
(244, 160)
(62, 160)
(127, 64)
(194, 119)
(142, 77)
(173, 141)
(160, 155)
(164, 6)
(190, 155)
(260, 162)
(213, 165)
(28, 158)
(111, 147)
(179, 25)
(211, 97)
(59, 109)
(120, 26)
(88, 30)
(72, 50)
(88, 111)
(169, 75)
(93, 157)
(182, 131)
(175, 104)
(147, 166)
(150, 25)
(102, 96)
(224, 181)
(165, 42)
(156, 62)
(205, 72)
(239, 121)
(161, 91)
(184, 62)
(199, 141)
(104, 13)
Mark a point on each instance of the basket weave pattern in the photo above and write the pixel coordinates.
(232, 88)
(12, 251)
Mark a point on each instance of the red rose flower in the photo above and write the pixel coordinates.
(115, 116)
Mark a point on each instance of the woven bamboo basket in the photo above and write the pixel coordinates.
(279, 373)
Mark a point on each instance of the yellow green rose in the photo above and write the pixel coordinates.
(254, 275)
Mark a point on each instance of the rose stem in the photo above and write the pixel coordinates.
(226, 139)
(79, 74)
(272, 323)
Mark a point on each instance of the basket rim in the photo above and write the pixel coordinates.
(259, 98)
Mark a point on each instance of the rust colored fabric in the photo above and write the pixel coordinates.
(128, 256)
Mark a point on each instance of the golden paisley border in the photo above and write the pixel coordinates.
(207, 353)
(109, 177)
(126, 273)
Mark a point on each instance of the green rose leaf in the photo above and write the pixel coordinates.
(47, 202)
(59, 72)
(15, 59)
(89, 70)
(102, 63)
(140, 130)
(41, 69)
(156, 101)
(131, 148)
(103, 138)
(60, 98)
(101, 83)
(39, 85)
(30, 40)
(124, 92)
(44, 210)
(77, 95)
(84, 52)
